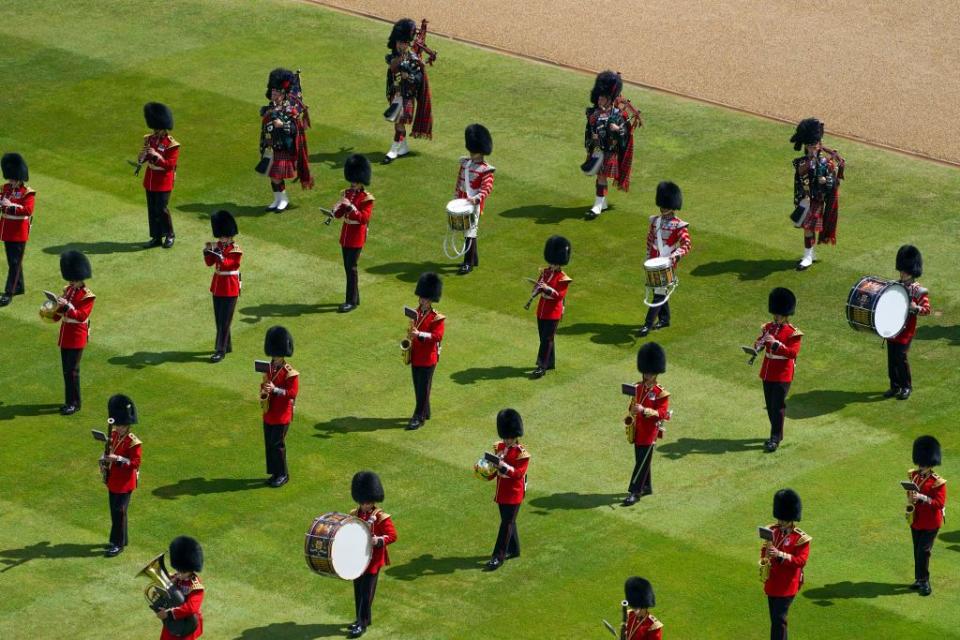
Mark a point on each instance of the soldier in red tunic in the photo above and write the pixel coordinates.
(283, 137)
(816, 189)
(225, 257)
(928, 506)
(910, 266)
(783, 559)
(16, 218)
(408, 90)
(552, 286)
(278, 395)
(121, 465)
(649, 407)
(511, 485)
(160, 153)
(186, 556)
(426, 336)
(355, 209)
(474, 183)
(668, 237)
(639, 623)
(608, 138)
(780, 342)
(73, 312)
(366, 491)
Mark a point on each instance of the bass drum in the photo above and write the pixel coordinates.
(878, 305)
(338, 545)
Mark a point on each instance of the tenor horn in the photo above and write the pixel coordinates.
(162, 593)
(48, 311)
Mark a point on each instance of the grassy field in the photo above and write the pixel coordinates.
(78, 75)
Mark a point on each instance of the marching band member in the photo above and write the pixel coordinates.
(511, 485)
(355, 208)
(73, 312)
(649, 407)
(278, 395)
(474, 183)
(408, 87)
(668, 237)
(816, 189)
(910, 266)
(161, 154)
(609, 136)
(552, 286)
(16, 218)
(640, 624)
(929, 505)
(186, 556)
(426, 335)
(225, 256)
(121, 467)
(780, 342)
(367, 491)
(283, 133)
(784, 557)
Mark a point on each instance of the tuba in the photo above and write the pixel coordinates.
(162, 593)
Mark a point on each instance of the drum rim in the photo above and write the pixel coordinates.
(874, 302)
(333, 541)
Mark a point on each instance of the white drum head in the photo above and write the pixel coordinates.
(351, 550)
(891, 314)
(460, 206)
(656, 264)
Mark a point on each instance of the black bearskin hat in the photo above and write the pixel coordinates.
(557, 250)
(280, 79)
(366, 487)
(509, 424)
(787, 505)
(608, 83)
(404, 30)
(223, 224)
(186, 555)
(278, 343)
(781, 302)
(809, 131)
(639, 593)
(14, 167)
(357, 169)
(121, 410)
(651, 358)
(75, 266)
(478, 139)
(909, 260)
(158, 115)
(429, 286)
(926, 452)
(669, 196)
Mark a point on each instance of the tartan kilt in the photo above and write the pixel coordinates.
(814, 220)
(406, 113)
(611, 166)
(284, 165)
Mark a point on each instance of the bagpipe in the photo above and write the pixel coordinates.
(410, 63)
(819, 181)
(295, 118)
(623, 114)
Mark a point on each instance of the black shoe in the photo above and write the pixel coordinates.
(904, 393)
(660, 325)
(414, 424)
(511, 556)
(154, 242)
(631, 500)
(493, 564)
(925, 588)
(269, 481)
(69, 409)
(770, 446)
(272, 207)
(464, 270)
(357, 631)
(5, 299)
(280, 480)
(643, 331)
(916, 585)
(113, 551)
(387, 160)
(352, 626)
(891, 392)
(217, 357)
(168, 242)
(346, 307)
(646, 492)
(539, 372)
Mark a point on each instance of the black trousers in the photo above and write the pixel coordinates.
(364, 589)
(922, 547)
(779, 607)
(275, 447)
(642, 479)
(422, 381)
(547, 355)
(118, 517)
(15, 251)
(70, 359)
(470, 256)
(898, 369)
(508, 540)
(158, 214)
(775, 396)
(223, 307)
(350, 259)
(662, 312)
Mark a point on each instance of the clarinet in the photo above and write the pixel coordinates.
(142, 158)
(624, 605)
(104, 464)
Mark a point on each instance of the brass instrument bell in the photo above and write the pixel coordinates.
(484, 469)
(48, 311)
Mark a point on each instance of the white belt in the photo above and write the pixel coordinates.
(72, 321)
(227, 273)
(10, 217)
(773, 356)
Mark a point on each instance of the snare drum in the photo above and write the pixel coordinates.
(461, 215)
(878, 305)
(659, 272)
(338, 545)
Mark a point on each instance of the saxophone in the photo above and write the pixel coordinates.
(911, 510)
(264, 394)
(765, 562)
(406, 346)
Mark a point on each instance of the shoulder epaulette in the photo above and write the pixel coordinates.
(355, 511)
(88, 294)
(382, 515)
(496, 444)
(565, 278)
(27, 191)
(291, 372)
(236, 249)
(195, 584)
(173, 143)
(655, 624)
(796, 332)
(938, 481)
(663, 393)
(805, 538)
(524, 454)
(147, 135)
(439, 316)
(134, 440)
(369, 197)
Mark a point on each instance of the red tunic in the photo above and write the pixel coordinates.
(929, 515)
(75, 325)
(353, 234)
(380, 525)
(918, 296)
(226, 277)
(280, 409)
(511, 486)
(642, 627)
(15, 221)
(161, 173)
(647, 430)
(673, 235)
(481, 180)
(779, 357)
(123, 477)
(786, 574)
(425, 350)
(192, 589)
(551, 307)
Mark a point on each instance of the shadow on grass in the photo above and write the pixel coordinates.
(410, 271)
(691, 446)
(11, 411)
(203, 486)
(824, 596)
(603, 333)
(818, 402)
(336, 159)
(427, 565)
(293, 631)
(143, 359)
(745, 269)
(207, 209)
(97, 248)
(949, 333)
(292, 310)
(45, 551)
(575, 501)
(475, 374)
(548, 214)
(951, 536)
(353, 424)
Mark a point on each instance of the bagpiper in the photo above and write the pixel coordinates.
(474, 183)
(780, 342)
(73, 310)
(910, 265)
(186, 556)
(367, 490)
(16, 219)
(121, 468)
(608, 138)
(283, 137)
(551, 286)
(782, 560)
(426, 337)
(408, 89)
(160, 153)
(649, 407)
(925, 508)
(639, 623)
(355, 209)
(816, 189)
(278, 395)
(668, 237)
(511, 485)
(224, 255)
